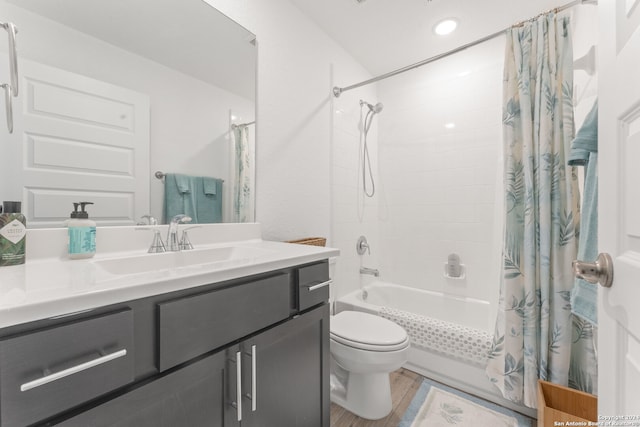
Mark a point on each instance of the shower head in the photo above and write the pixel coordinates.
(376, 108)
(373, 108)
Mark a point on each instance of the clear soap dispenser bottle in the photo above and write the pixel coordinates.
(82, 233)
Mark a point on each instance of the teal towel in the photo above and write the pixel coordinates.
(178, 196)
(210, 186)
(194, 196)
(584, 295)
(209, 200)
(586, 140)
(584, 151)
(183, 182)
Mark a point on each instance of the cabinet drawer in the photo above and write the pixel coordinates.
(188, 397)
(46, 372)
(197, 324)
(313, 285)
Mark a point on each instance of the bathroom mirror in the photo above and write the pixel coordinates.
(112, 92)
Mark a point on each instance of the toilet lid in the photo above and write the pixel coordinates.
(366, 330)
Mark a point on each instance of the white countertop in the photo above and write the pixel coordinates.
(46, 287)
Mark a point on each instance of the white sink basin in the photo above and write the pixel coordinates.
(146, 263)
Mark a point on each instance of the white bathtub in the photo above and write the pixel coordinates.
(450, 336)
(468, 312)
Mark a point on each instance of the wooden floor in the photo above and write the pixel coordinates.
(404, 385)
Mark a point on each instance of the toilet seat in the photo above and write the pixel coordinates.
(367, 332)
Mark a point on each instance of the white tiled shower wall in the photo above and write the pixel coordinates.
(440, 159)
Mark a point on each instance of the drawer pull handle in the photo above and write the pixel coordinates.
(254, 384)
(319, 285)
(73, 370)
(239, 385)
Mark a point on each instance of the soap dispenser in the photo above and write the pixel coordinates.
(13, 234)
(82, 233)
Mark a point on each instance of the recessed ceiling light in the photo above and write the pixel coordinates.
(446, 26)
(450, 125)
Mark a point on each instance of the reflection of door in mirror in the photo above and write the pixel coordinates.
(80, 140)
(192, 66)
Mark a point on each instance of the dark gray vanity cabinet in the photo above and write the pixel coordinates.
(280, 377)
(284, 375)
(249, 352)
(189, 397)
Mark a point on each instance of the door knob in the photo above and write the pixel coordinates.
(600, 271)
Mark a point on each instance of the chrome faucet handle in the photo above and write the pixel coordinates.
(185, 243)
(362, 246)
(172, 232)
(180, 219)
(157, 245)
(150, 220)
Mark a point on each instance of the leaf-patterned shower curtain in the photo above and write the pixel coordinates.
(535, 331)
(242, 209)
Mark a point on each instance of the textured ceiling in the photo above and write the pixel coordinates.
(384, 35)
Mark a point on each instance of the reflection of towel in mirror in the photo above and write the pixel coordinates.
(209, 200)
(584, 152)
(198, 197)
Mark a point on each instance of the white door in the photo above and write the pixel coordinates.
(77, 139)
(619, 209)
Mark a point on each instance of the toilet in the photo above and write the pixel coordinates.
(365, 348)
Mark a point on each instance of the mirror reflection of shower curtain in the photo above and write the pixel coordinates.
(242, 197)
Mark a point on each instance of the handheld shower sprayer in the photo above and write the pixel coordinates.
(372, 108)
(366, 161)
(375, 108)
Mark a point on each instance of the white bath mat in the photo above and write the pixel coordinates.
(441, 409)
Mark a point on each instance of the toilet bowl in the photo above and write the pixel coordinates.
(365, 348)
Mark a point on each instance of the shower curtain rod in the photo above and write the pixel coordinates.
(235, 126)
(337, 91)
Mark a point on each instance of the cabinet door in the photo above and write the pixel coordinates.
(191, 396)
(286, 374)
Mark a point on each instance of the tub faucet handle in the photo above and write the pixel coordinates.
(362, 246)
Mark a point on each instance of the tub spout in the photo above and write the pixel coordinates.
(372, 271)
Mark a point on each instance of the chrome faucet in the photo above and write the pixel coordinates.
(157, 246)
(172, 233)
(372, 271)
(185, 242)
(150, 220)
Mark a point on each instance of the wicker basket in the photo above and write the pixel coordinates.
(314, 241)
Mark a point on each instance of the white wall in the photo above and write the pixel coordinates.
(440, 183)
(308, 140)
(294, 115)
(189, 118)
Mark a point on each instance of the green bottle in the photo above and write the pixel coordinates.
(13, 234)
